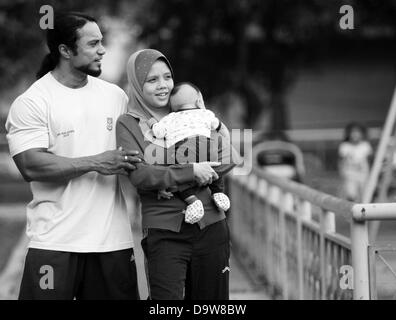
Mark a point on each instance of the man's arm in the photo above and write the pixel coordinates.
(40, 165)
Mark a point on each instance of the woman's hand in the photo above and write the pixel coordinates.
(164, 194)
(204, 173)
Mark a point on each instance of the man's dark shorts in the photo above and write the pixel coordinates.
(51, 275)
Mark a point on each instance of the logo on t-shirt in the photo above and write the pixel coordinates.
(65, 133)
(109, 124)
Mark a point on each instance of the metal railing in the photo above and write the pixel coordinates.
(285, 234)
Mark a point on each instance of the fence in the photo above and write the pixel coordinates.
(285, 234)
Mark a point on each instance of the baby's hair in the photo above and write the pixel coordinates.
(177, 87)
(354, 125)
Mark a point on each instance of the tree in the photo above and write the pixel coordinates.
(23, 42)
(249, 46)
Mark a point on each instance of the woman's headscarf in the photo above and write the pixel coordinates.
(138, 66)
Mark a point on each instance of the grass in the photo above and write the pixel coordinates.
(10, 232)
(12, 190)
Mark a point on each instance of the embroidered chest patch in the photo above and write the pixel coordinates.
(109, 124)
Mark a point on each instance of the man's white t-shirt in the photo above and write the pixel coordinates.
(88, 213)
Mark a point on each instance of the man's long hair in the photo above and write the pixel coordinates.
(64, 32)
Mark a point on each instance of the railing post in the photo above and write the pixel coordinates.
(263, 190)
(360, 243)
(242, 221)
(304, 213)
(274, 204)
(285, 204)
(329, 222)
(327, 225)
(251, 219)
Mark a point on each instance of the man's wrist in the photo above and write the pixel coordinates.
(86, 164)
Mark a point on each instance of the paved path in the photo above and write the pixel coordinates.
(241, 288)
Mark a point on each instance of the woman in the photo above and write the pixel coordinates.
(184, 260)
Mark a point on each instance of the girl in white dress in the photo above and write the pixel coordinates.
(354, 161)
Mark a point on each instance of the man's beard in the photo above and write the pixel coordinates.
(85, 69)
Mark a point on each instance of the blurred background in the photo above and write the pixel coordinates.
(283, 68)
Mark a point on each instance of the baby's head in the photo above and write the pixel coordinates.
(186, 95)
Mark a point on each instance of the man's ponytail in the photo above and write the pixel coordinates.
(49, 63)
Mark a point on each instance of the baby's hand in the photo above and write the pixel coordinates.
(164, 194)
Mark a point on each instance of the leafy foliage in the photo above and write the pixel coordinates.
(254, 48)
(23, 42)
(251, 47)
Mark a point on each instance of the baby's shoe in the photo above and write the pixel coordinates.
(221, 200)
(194, 212)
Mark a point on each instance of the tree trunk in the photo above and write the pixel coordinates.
(279, 119)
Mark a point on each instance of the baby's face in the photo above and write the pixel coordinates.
(186, 96)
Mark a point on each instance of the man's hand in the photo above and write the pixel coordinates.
(116, 162)
(204, 173)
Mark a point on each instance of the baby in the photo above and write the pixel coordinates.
(188, 128)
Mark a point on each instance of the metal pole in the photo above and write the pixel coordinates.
(374, 211)
(384, 188)
(381, 151)
(359, 239)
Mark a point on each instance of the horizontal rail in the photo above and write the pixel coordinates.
(374, 211)
(328, 202)
(339, 239)
(335, 237)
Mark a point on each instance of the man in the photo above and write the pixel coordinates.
(61, 134)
